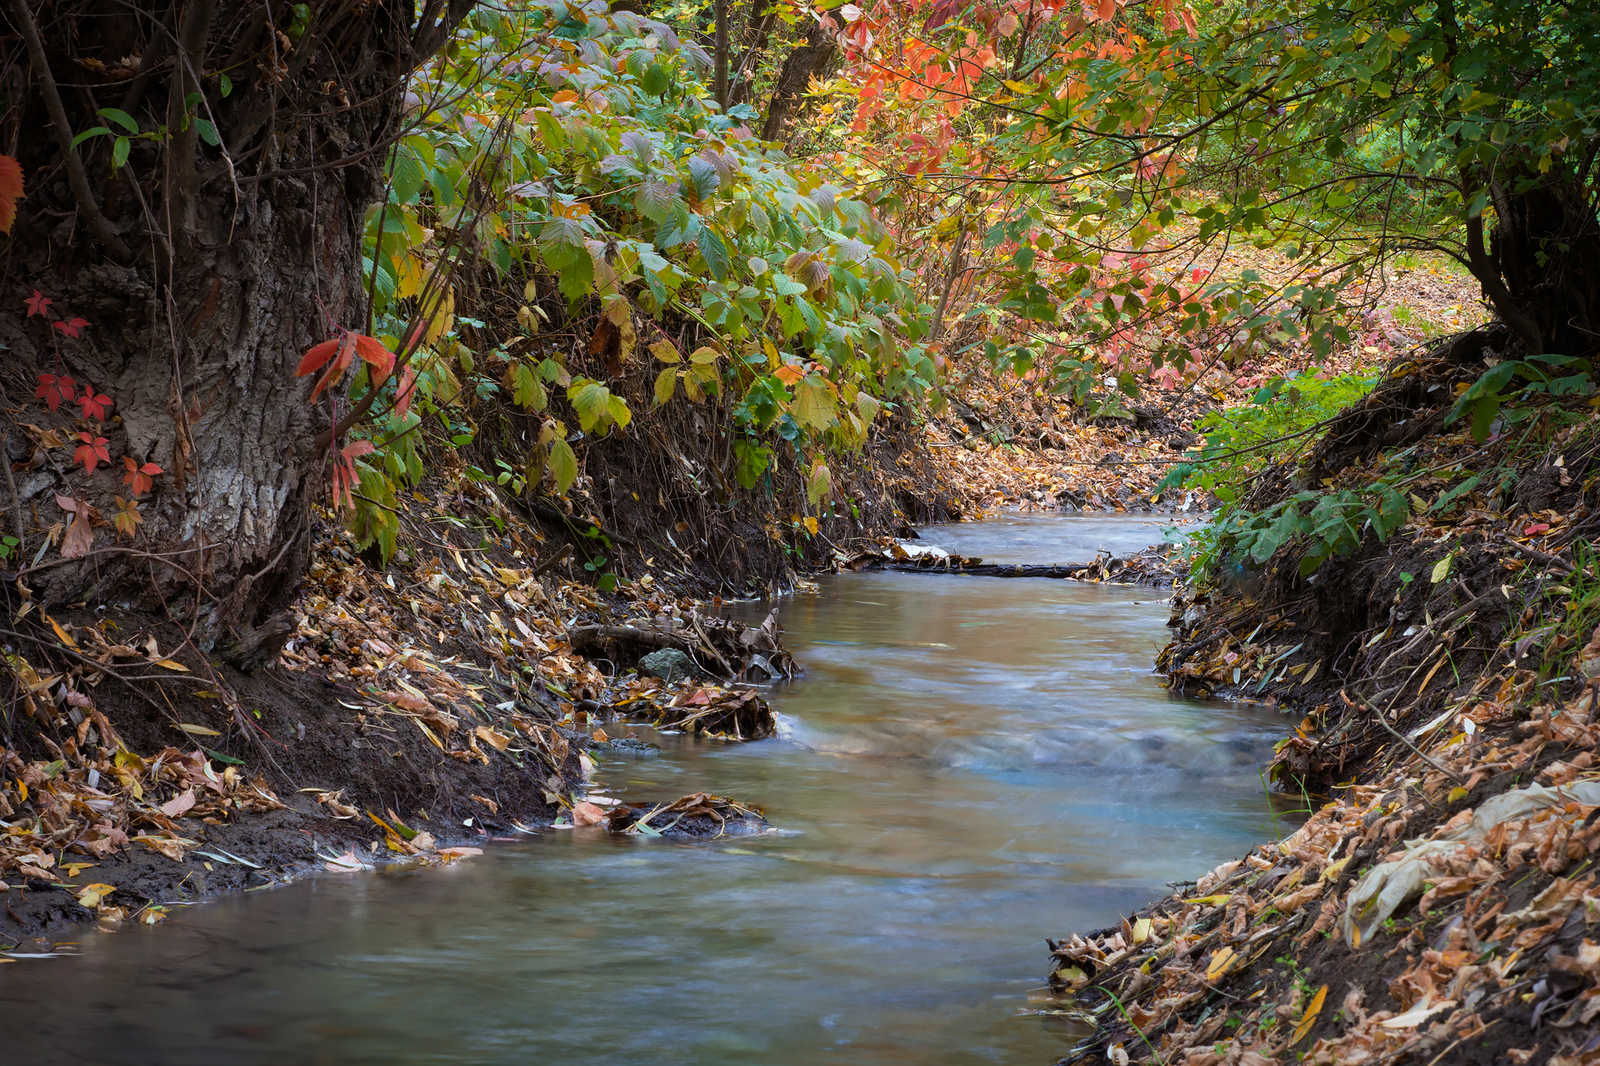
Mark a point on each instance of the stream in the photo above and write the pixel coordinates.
(968, 766)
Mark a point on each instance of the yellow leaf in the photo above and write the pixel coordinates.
(1211, 901)
(1334, 868)
(1441, 570)
(1142, 929)
(498, 740)
(66, 638)
(664, 351)
(1310, 1016)
(198, 730)
(810, 523)
(1221, 963)
(91, 895)
(171, 665)
(1457, 793)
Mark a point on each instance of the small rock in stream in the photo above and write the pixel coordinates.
(669, 664)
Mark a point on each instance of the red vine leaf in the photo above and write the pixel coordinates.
(140, 476)
(38, 303)
(404, 391)
(345, 477)
(10, 191)
(94, 407)
(71, 327)
(52, 390)
(337, 355)
(91, 452)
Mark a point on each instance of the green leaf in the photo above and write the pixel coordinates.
(527, 391)
(656, 200)
(812, 405)
(819, 483)
(86, 134)
(715, 253)
(1483, 412)
(119, 152)
(591, 400)
(563, 465)
(120, 117)
(207, 132)
(1441, 569)
(666, 385)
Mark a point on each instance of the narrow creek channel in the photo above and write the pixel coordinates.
(969, 765)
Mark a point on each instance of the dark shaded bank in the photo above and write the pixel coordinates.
(1440, 902)
(405, 714)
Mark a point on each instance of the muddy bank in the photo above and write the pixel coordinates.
(1439, 903)
(409, 714)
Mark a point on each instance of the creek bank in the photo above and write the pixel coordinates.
(1440, 902)
(412, 714)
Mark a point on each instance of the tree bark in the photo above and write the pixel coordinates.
(241, 259)
(1545, 245)
(793, 78)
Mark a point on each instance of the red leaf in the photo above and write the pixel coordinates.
(52, 390)
(372, 350)
(38, 303)
(1537, 527)
(10, 191)
(70, 328)
(403, 391)
(337, 354)
(91, 452)
(315, 356)
(94, 406)
(357, 447)
(140, 477)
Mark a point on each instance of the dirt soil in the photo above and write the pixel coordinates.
(1439, 903)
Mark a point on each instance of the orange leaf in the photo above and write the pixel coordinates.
(10, 191)
(315, 356)
(372, 350)
(1108, 10)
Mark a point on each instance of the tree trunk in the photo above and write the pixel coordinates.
(1546, 246)
(246, 250)
(793, 78)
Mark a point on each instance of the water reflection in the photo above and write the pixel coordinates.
(970, 765)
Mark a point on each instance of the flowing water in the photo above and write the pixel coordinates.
(969, 766)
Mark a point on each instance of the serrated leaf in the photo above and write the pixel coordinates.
(618, 411)
(656, 200)
(590, 400)
(666, 385)
(527, 391)
(819, 482)
(715, 253)
(563, 465)
(664, 351)
(812, 405)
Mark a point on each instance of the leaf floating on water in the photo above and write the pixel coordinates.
(586, 813)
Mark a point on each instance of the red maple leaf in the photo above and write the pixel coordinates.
(10, 191)
(94, 407)
(91, 451)
(38, 303)
(140, 475)
(71, 328)
(52, 390)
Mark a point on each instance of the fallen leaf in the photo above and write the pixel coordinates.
(585, 813)
(90, 895)
(1417, 1015)
(1221, 963)
(172, 665)
(179, 804)
(1310, 1016)
(198, 730)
